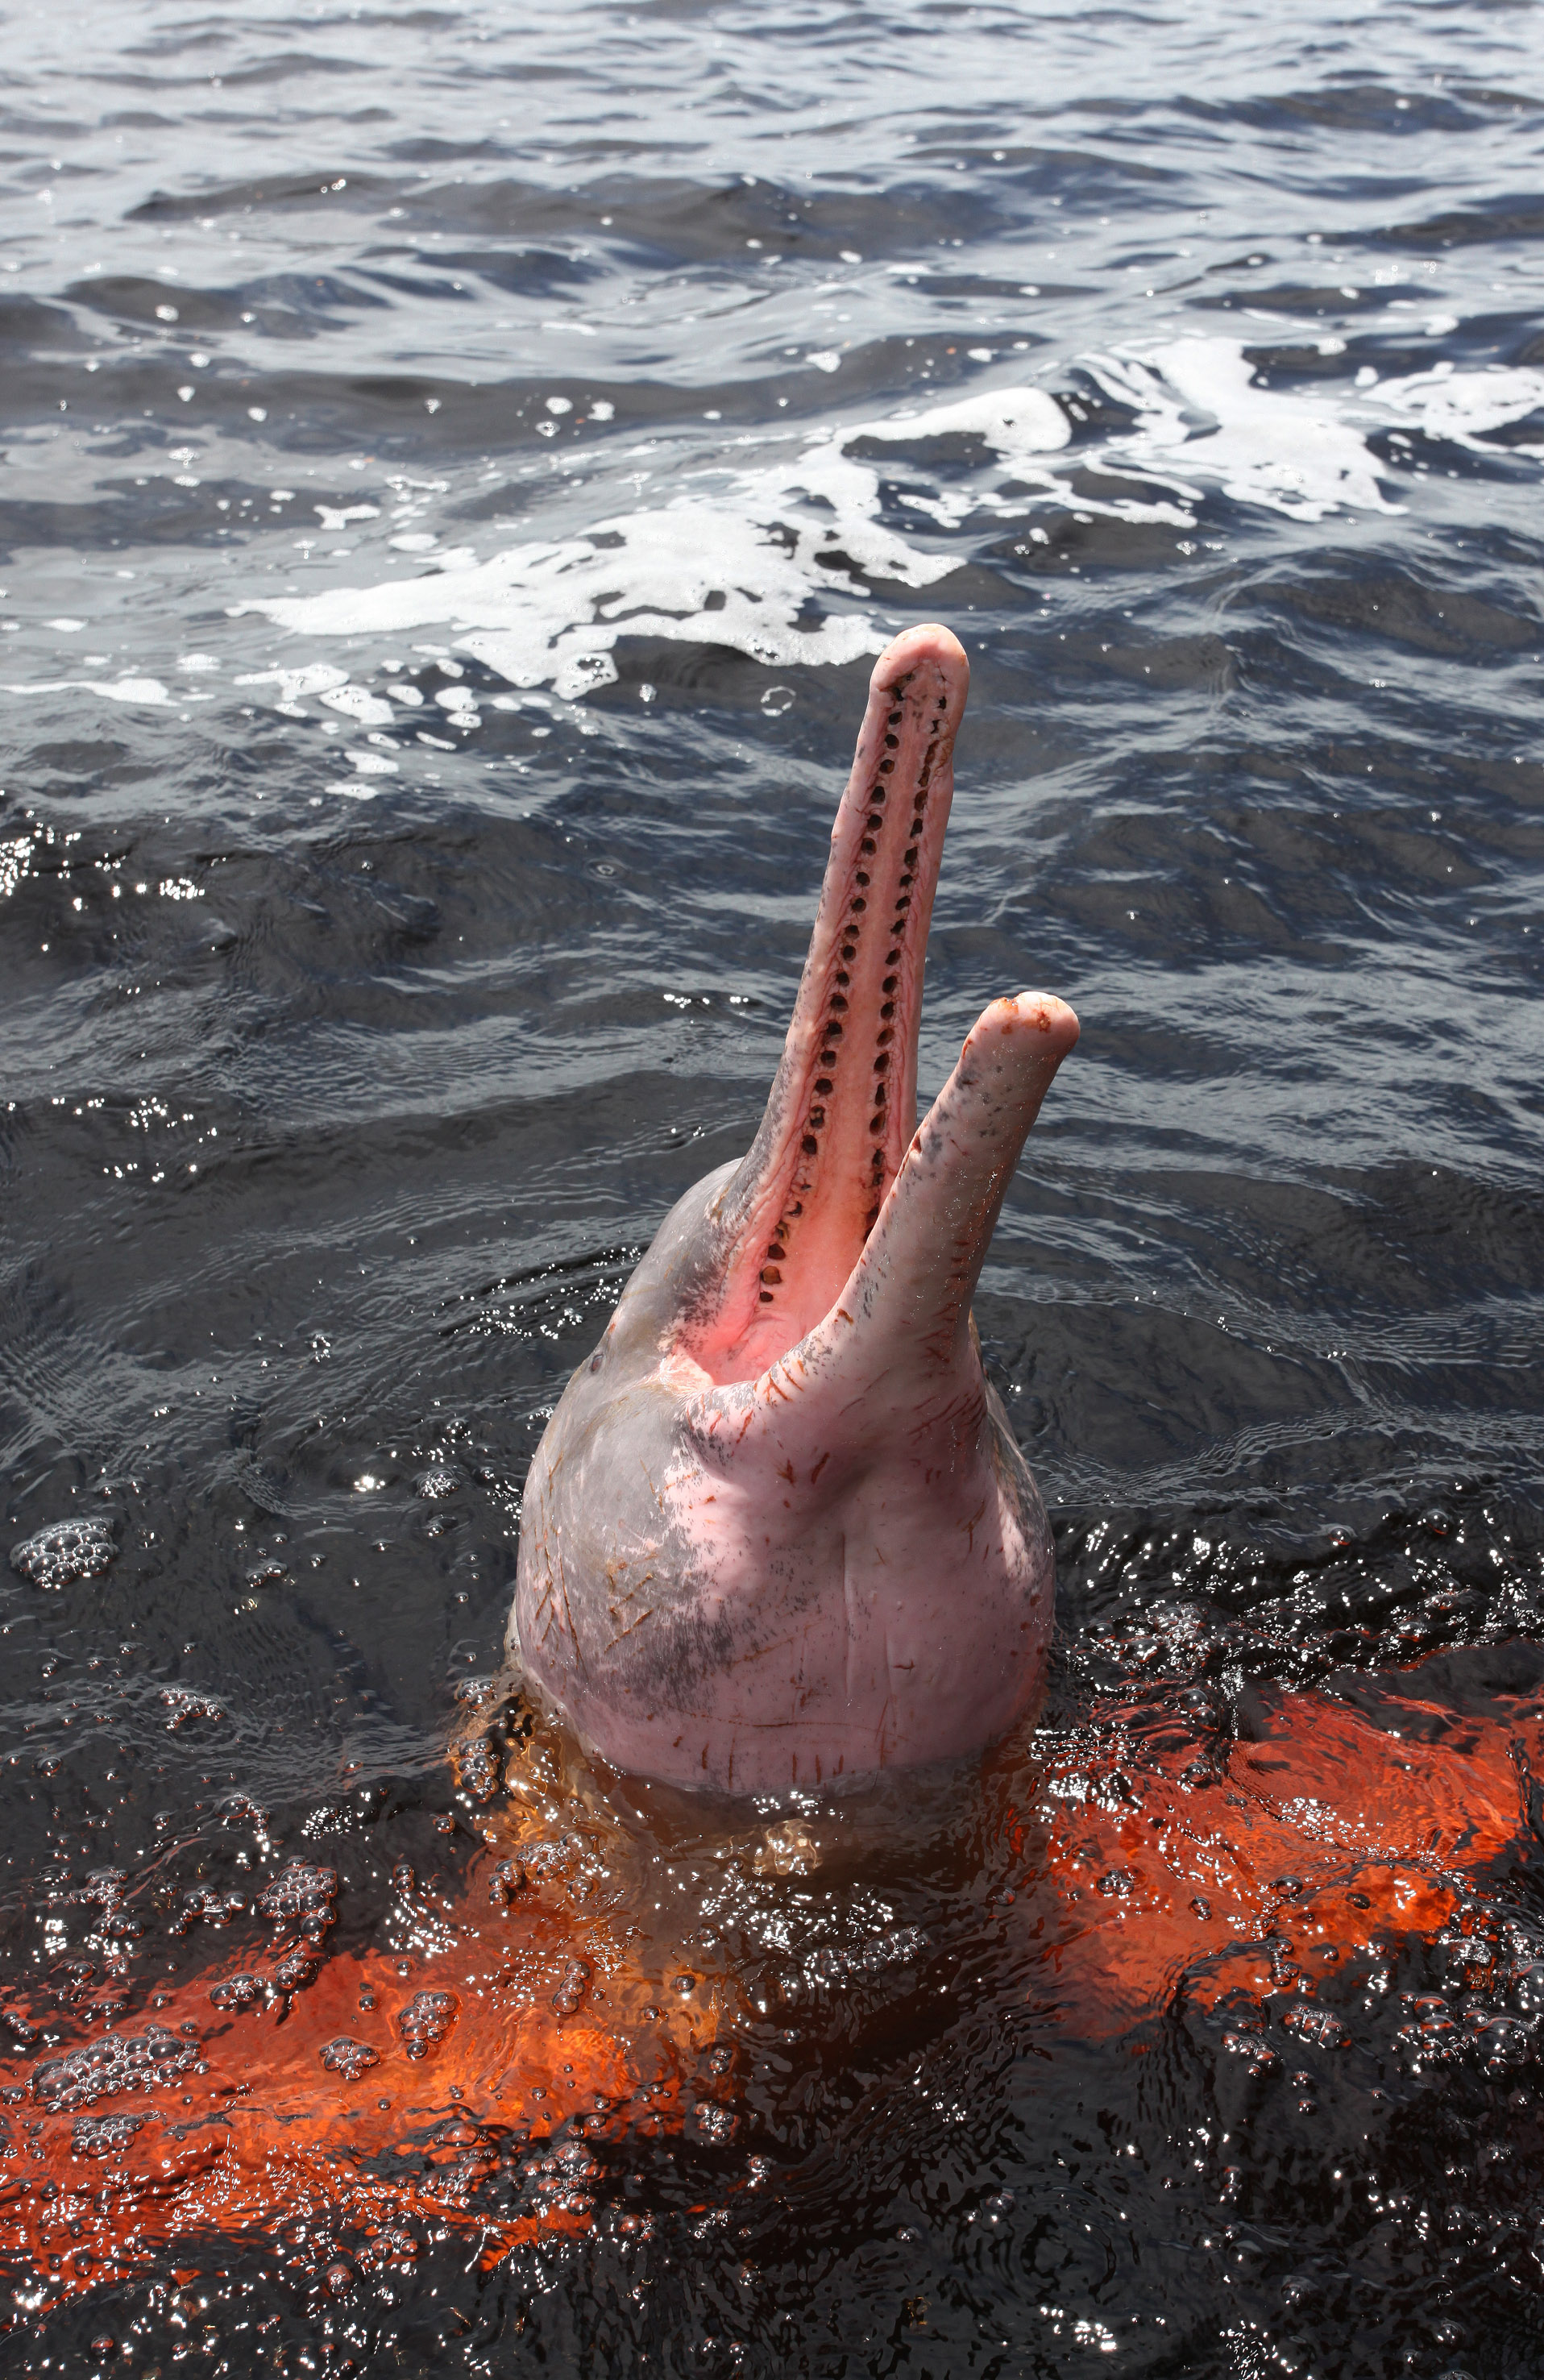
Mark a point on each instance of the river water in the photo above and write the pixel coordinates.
(457, 467)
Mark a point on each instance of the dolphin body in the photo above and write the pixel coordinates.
(778, 1529)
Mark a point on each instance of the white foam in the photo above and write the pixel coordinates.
(339, 516)
(742, 550)
(1017, 423)
(117, 690)
(357, 702)
(1300, 452)
(1203, 412)
(291, 685)
(1461, 406)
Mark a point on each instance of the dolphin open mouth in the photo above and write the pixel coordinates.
(797, 1215)
(779, 1529)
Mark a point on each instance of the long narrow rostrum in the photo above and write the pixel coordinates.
(843, 1108)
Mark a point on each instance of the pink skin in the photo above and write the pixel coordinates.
(778, 1530)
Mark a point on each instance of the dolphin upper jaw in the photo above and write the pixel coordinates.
(778, 1529)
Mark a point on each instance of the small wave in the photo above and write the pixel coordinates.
(743, 560)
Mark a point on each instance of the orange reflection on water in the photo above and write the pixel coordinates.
(345, 2106)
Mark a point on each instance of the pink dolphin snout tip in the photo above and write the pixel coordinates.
(1049, 1026)
(929, 641)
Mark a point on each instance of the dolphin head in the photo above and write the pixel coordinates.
(778, 1529)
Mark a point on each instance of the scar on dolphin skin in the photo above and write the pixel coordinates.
(793, 1360)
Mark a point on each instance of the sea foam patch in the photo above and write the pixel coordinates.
(761, 556)
(112, 689)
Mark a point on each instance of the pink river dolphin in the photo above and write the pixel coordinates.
(779, 1530)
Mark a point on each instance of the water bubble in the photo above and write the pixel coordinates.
(292, 1974)
(787, 1850)
(440, 1479)
(477, 1768)
(100, 2135)
(776, 700)
(1315, 2024)
(105, 1885)
(302, 1894)
(508, 1878)
(238, 1992)
(64, 1552)
(207, 1903)
(99, 2069)
(573, 1983)
(349, 2057)
(425, 2022)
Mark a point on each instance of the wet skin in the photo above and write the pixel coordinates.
(778, 1530)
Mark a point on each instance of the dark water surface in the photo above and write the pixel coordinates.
(457, 465)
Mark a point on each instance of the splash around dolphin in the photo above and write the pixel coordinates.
(779, 1530)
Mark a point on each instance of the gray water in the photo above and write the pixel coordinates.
(456, 467)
